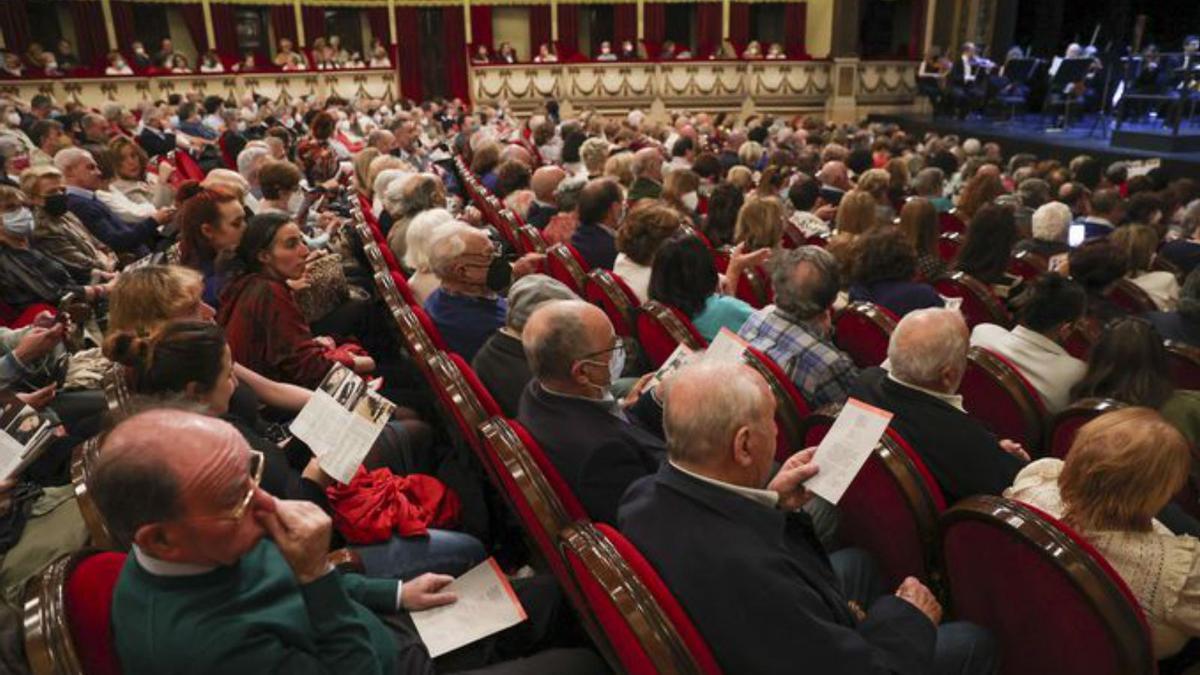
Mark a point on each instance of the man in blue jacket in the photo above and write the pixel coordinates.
(82, 176)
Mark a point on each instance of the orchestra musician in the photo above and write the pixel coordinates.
(968, 80)
(931, 76)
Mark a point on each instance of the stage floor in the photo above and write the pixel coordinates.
(1028, 134)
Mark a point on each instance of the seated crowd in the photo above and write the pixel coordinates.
(178, 279)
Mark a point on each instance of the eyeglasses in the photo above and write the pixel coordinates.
(257, 462)
(618, 346)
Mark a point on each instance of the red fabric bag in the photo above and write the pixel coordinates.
(377, 503)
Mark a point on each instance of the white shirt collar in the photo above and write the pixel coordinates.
(954, 400)
(162, 568)
(768, 498)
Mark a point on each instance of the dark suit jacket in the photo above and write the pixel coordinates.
(503, 369)
(119, 235)
(539, 216)
(1174, 326)
(597, 453)
(760, 588)
(963, 456)
(1183, 253)
(156, 144)
(644, 188)
(596, 245)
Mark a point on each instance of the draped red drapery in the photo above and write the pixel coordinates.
(481, 25)
(739, 25)
(918, 30)
(14, 24)
(225, 32)
(454, 34)
(795, 18)
(89, 33)
(624, 23)
(568, 31)
(654, 23)
(408, 39)
(122, 14)
(539, 28)
(314, 23)
(193, 17)
(708, 28)
(283, 22)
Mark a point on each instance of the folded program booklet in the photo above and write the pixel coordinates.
(341, 422)
(727, 347)
(486, 605)
(24, 434)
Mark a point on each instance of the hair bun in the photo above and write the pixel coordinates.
(187, 190)
(127, 349)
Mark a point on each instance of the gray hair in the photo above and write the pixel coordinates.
(805, 280)
(566, 195)
(552, 352)
(418, 237)
(926, 342)
(1189, 297)
(929, 181)
(446, 243)
(1051, 221)
(389, 185)
(1034, 192)
(68, 157)
(700, 420)
(248, 158)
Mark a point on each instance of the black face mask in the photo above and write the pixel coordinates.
(56, 204)
(499, 275)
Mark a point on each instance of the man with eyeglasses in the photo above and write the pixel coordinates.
(225, 578)
(598, 444)
(467, 308)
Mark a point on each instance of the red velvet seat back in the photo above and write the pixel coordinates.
(891, 509)
(12, 317)
(565, 264)
(187, 166)
(377, 234)
(88, 595)
(472, 379)
(1027, 265)
(530, 240)
(643, 638)
(754, 287)
(791, 409)
(996, 393)
(950, 222)
(609, 292)
(1061, 430)
(1051, 602)
(1129, 297)
(430, 329)
(660, 329)
(948, 245)
(862, 330)
(570, 502)
(979, 305)
(1184, 361)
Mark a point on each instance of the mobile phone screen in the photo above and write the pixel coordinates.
(1075, 235)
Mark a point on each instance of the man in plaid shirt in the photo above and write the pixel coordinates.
(796, 331)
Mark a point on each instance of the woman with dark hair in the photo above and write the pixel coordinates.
(191, 360)
(1096, 265)
(641, 234)
(684, 277)
(1129, 363)
(210, 223)
(265, 327)
(883, 273)
(316, 154)
(985, 255)
(723, 206)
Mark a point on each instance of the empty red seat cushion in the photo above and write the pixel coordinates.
(88, 595)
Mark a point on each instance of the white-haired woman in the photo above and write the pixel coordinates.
(404, 199)
(419, 236)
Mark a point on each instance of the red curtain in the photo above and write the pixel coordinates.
(14, 24)
(654, 20)
(918, 29)
(89, 33)
(408, 38)
(283, 22)
(454, 35)
(314, 23)
(193, 16)
(624, 24)
(122, 14)
(481, 25)
(795, 20)
(539, 28)
(225, 33)
(708, 28)
(739, 25)
(568, 31)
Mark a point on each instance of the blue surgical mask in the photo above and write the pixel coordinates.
(19, 223)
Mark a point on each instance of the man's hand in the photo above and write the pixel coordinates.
(472, 216)
(38, 342)
(425, 592)
(164, 215)
(916, 594)
(826, 212)
(325, 341)
(1015, 449)
(789, 482)
(530, 263)
(39, 399)
(301, 530)
(638, 387)
(363, 365)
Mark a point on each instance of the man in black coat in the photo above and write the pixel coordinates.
(745, 563)
(927, 357)
(597, 446)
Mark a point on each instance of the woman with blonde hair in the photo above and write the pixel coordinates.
(593, 153)
(856, 215)
(1123, 469)
(1139, 244)
(759, 223)
(619, 167)
(876, 182)
(681, 190)
(741, 177)
(362, 170)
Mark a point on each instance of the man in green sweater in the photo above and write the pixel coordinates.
(224, 577)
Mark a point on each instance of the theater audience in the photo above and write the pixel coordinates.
(405, 198)
(57, 232)
(601, 212)
(421, 230)
(684, 277)
(714, 507)
(1051, 225)
(855, 215)
(647, 175)
(210, 228)
(1138, 243)
(759, 223)
(720, 223)
(1095, 266)
(985, 255)
(1122, 469)
(797, 331)
(466, 307)
(82, 178)
(927, 357)
(501, 363)
(1183, 324)
(544, 182)
(575, 356)
(1052, 307)
(919, 223)
(1104, 213)
(643, 232)
(884, 273)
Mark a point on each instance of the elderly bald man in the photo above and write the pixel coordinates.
(927, 356)
(466, 307)
(647, 174)
(223, 577)
(598, 446)
(732, 544)
(543, 183)
(82, 177)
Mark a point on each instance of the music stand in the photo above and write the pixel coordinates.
(1069, 71)
(1020, 73)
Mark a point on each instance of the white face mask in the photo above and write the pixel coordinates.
(295, 203)
(13, 119)
(691, 200)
